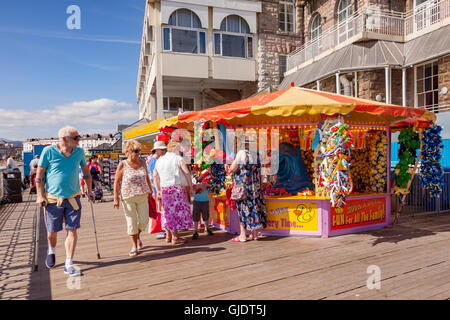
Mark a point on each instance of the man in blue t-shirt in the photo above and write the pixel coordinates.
(58, 172)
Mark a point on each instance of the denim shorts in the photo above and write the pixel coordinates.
(56, 216)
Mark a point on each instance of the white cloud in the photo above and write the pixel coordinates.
(67, 36)
(95, 116)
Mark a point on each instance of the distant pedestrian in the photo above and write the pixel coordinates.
(34, 164)
(33, 170)
(132, 186)
(58, 172)
(159, 149)
(96, 171)
(176, 209)
(11, 164)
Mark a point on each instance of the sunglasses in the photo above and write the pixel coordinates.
(136, 151)
(76, 138)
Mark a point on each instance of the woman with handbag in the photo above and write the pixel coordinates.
(247, 193)
(176, 213)
(133, 187)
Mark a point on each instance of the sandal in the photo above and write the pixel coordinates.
(140, 245)
(133, 252)
(250, 237)
(178, 241)
(237, 239)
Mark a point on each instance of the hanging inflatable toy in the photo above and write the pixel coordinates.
(431, 169)
(335, 145)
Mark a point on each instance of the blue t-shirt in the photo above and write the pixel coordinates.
(62, 173)
(202, 196)
(151, 166)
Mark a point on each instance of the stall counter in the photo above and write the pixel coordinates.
(310, 215)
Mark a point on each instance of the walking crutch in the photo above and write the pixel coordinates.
(36, 239)
(95, 230)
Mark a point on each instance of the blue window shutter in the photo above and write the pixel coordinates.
(202, 42)
(166, 37)
(217, 42)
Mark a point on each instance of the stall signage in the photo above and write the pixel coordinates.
(356, 213)
(292, 216)
(146, 147)
(219, 212)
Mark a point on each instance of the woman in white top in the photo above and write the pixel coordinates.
(176, 213)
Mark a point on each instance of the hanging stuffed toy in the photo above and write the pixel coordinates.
(431, 169)
(378, 161)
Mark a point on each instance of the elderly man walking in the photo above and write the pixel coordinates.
(58, 171)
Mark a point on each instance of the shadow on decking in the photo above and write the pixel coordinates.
(18, 229)
(40, 288)
(412, 228)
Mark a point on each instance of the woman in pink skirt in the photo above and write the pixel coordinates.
(176, 209)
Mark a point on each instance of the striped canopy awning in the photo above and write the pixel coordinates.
(296, 105)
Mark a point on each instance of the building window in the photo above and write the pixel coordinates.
(316, 33)
(428, 86)
(282, 65)
(316, 27)
(286, 16)
(234, 40)
(174, 103)
(345, 24)
(184, 33)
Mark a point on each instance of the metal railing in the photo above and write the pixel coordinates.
(438, 108)
(372, 23)
(419, 202)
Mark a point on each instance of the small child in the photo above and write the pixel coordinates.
(201, 206)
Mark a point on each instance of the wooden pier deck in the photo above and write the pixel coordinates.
(413, 258)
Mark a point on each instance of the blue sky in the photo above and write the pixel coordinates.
(48, 72)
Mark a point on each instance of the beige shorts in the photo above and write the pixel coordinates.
(136, 213)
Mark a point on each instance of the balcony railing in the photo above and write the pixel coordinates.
(372, 23)
(438, 108)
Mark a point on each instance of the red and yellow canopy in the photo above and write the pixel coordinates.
(295, 105)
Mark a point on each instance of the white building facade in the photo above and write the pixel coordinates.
(196, 54)
(86, 143)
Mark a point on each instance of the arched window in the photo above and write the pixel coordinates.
(286, 16)
(345, 23)
(316, 27)
(234, 38)
(185, 18)
(184, 33)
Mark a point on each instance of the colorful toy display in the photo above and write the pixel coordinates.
(409, 143)
(335, 145)
(378, 160)
(216, 185)
(360, 168)
(431, 169)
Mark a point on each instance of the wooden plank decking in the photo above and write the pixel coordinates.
(413, 258)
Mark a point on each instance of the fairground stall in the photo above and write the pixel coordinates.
(325, 158)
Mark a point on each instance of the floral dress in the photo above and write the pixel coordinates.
(252, 209)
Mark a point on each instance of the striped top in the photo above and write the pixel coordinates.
(134, 182)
